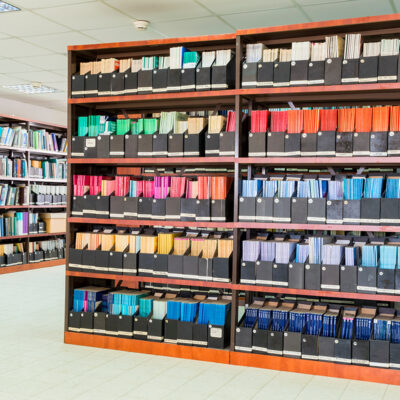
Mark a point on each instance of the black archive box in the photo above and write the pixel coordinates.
(188, 209)
(316, 211)
(102, 206)
(334, 212)
(282, 209)
(330, 277)
(175, 266)
(299, 73)
(205, 268)
(326, 348)
(264, 208)
(370, 211)
(185, 333)
(125, 326)
(388, 68)
(173, 208)
(282, 73)
(145, 145)
(244, 338)
(366, 279)
(316, 72)
(368, 70)
(397, 281)
(144, 81)
(160, 80)
(385, 281)
(117, 83)
(248, 272)
(193, 144)
(292, 145)
(296, 275)
(145, 207)
(77, 206)
(74, 321)
(299, 210)
(249, 74)
(190, 267)
(379, 144)
(146, 264)
(116, 262)
(218, 335)
(101, 262)
(117, 146)
(131, 207)
(91, 85)
(393, 144)
(99, 323)
(131, 82)
(257, 144)
(292, 344)
(275, 343)
(117, 207)
(312, 276)
(212, 144)
(160, 145)
(260, 340)
(360, 352)
(131, 146)
(155, 330)
(361, 143)
(351, 212)
(86, 322)
(247, 208)
(227, 144)
(276, 144)
(16, 258)
(343, 351)
(203, 210)
(390, 211)
(333, 71)
(158, 209)
(223, 76)
(309, 347)
(203, 78)
(280, 275)
(348, 278)
(344, 144)
(326, 144)
(129, 264)
(174, 80)
(112, 322)
(171, 331)
(350, 71)
(265, 74)
(75, 259)
(220, 212)
(140, 327)
(103, 146)
(264, 273)
(175, 145)
(89, 148)
(379, 353)
(104, 83)
(222, 267)
(394, 355)
(89, 205)
(188, 79)
(77, 85)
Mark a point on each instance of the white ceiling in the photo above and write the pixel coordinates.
(33, 41)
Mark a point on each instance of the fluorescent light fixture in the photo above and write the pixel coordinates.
(31, 88)
(5, 7)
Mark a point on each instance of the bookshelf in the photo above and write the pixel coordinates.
(235, 98)
(28, 153)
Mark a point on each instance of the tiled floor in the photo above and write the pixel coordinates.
(35, 364)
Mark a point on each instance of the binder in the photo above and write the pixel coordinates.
(118, 83)
(77, 86)
(144, 81)
(282, 73)
(104, 84)
(350, 71)
(388, 67)
(333, 71)
(368, 70)
(130, 82)
(299, 73)
(265, 74)
(188, 79)
(203, 78)
(160, 80)
(316, 73)
(249, 74)
(174, 80)
(223, 76)
(91, 85)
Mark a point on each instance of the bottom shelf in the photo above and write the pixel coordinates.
(146, 347)
(29, 266)
(322, 368)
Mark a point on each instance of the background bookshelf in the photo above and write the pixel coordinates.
(23, 261)
(236, 98)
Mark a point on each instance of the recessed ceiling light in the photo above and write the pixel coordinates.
(31, 88)
(5, 7)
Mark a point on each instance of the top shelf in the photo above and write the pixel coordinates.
(34, 151)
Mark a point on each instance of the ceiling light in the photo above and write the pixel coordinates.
(5, 7)
(31, 88)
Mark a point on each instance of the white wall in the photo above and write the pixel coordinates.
(32, 112)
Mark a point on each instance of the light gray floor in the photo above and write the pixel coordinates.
(35, 364)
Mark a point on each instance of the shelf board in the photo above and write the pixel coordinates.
(147, 347)
(321, 368)
(34, 151)
(32, 235)
(30, 266)
(319, 161)
(167, 281)
(317, 227)
(31, 206)
(149, 222)
(202, 99)
(317, 293)
(181, 161)
(30, 179)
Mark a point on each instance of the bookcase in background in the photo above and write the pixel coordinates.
(27, 261)
(238, 99)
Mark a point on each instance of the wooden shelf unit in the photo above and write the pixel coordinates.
(32, 124)
(237, 98)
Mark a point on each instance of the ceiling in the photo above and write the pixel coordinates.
(33, 41)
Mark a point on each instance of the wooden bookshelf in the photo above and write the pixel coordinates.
(11, 121)
(237, 99)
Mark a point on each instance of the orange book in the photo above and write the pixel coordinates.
(295, 121)
(395, 118)
(346, 119)
(312, 120)
(380, 119)
(363, 119)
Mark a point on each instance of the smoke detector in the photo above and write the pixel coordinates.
(141, 25)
